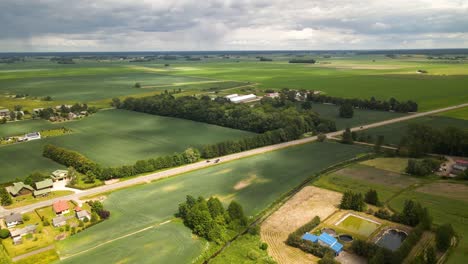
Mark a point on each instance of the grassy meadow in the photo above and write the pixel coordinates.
(446, 200)
(255, 182)
(111, 138)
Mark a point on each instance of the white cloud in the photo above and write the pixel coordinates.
(98, 25)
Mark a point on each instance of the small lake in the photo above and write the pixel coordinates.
(358, 225)
(392, 239)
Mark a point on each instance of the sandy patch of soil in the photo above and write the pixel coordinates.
(301, 208)
(348, 258)
(446, 189)
(171, 187)
(253, 178)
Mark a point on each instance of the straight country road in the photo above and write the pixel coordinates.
(203, 164)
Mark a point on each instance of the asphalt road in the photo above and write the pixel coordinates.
(204, 164)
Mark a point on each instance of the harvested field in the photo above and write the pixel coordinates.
(397, 165)
(305, 205)
(446, 189)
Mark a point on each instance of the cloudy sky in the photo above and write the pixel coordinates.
(163, 25)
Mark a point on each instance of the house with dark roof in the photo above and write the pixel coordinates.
(43, 188)
(61, 207)
(13, 219)
(19, 188)
(325, 240)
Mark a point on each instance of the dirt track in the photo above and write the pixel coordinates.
(301, 208)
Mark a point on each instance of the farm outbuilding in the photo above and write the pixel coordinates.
(325, 240)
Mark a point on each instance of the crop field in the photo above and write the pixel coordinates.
(254, 182)
(349, 76)
(111, 138)
(395, 131)
(461, 113)
(360, 117)
(387, 78)
(446, 201)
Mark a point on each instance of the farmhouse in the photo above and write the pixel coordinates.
(59, 175)
(43, 188)
(60, 220)
(272, 95)
(13, 220)
(82, 214)
(61, 207)
(325, 240)
(4, 112)
(19, 188)
(459, 166)
(17, 234)
(32, 136)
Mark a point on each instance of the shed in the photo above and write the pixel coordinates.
(47, 183)
(19, 188)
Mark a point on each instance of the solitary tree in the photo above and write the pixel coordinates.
(346, 110)
(137, 85)
(444, 236)
(347, 137)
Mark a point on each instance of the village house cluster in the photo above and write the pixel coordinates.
(39, 189)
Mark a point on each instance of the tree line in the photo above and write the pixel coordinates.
(209, 219)
(420, 139)
(90, 168)
(373, 104)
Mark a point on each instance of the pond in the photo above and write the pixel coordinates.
(392, 239)
(345, 238)
(358, 225)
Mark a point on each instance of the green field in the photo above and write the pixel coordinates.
(111, 138)
(393, 132)
(361, 117)
(255, 182)
(346, 76)
(246, 250)
(446, 204)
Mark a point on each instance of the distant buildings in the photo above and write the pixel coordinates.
(43, 188)
(235, 98)
(460, 166)
(59, 175)
(4, 113)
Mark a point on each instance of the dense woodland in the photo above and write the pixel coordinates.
(421, 139)
(267, 116)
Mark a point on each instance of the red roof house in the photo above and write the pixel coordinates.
(61, 207)
(78, 209)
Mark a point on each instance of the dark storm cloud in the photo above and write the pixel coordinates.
(241, 24)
